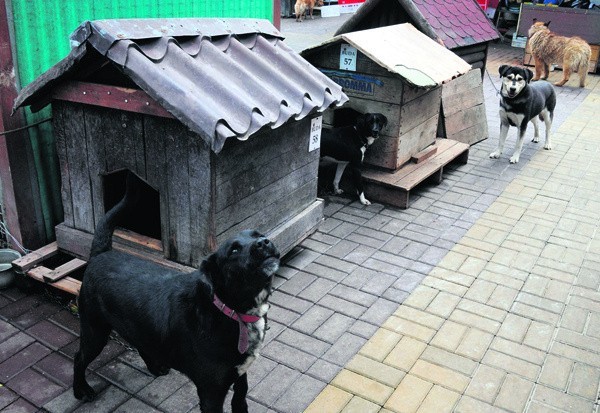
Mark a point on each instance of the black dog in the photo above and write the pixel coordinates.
(522, 102)
(347, 145)
(208, 325)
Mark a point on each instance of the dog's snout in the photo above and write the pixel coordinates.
(263, 242)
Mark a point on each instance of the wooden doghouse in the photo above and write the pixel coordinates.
(397, 71)
(215, 116)
(462, 27)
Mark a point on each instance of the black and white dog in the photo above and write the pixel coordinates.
(208, 324)
(522, 102)
(347, 146)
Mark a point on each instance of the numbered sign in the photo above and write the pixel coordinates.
(315, 133)
(348, 55)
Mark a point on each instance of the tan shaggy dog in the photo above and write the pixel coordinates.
(302, 6)
(548, 48)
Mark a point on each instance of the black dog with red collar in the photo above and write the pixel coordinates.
(208, 324)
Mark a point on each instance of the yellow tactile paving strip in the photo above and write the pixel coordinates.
(510, 318)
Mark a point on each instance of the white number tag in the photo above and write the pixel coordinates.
(314, 141)
(348, 56)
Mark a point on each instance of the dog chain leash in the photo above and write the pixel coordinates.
(491, 81)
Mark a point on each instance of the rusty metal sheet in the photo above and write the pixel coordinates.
(222, 78)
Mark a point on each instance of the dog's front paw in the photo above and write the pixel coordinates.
(535, 139)
(84, 392)
(514, 159)
(495, 155)
(547, 146)
(338, 191)
(364, 200)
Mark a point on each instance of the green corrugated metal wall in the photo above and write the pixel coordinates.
(41, 35)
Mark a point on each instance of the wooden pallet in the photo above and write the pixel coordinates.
(33, 264)
(394, 187)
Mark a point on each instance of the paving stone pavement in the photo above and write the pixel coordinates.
(482, 296)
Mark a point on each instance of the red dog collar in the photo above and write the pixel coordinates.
(242, 319)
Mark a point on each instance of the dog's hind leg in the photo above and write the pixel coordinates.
(547, 117)
(536, 129)
(240, 389)
(153, 367)
(92, 341)
(358, 184)
(212, 397)
(339, 171)
(539, 66)
(566, 74)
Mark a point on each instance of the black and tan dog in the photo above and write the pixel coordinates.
(522, 102)
(208, 325)
(346, 146)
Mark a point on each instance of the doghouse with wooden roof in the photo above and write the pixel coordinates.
(461, 26)
(215, 116)
(399, 72)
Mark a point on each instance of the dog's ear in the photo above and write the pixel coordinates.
(547, 24)
(503, 69)
(385, 121)
(528, 75)
(534, 19)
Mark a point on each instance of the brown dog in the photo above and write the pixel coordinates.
(547, 48)
(302, 6)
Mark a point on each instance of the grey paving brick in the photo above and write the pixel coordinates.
(282, 315)
(162, 388)
(289, 356)
(125, 376)
(182, 401)
(336, 263)
(290, 302)
(50, 334)
(360, 254)
(66, 402)
(312, 319)
(58, 367)
(396, 244)
(433, 255)
(107, 401)
(297, 283)
(301, 259)
(6, 330)
(20, 361)
(14, 344)
(315, 245)
(344, 349)
(365, 240)
(329, 224)
(275, 384)
(349, 218)
(342, 248)
(304, 342)
(363, 329)
(135, 405)
(318, 289)
(325, 272)
(354, 295)
(396, 295)
(35, 387)
(375, 263)
(379, 284)
(379, 311)
(300, 395)
(323, 370)
(342, 306)
(7, 397)
(332, 329)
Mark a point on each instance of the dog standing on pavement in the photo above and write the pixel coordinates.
(548, 48)
(346, 146)
(302, 6)
(208, 324)
(522, 102)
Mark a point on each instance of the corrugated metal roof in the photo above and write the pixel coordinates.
(220, 77)
(456, 23)
(405, 51)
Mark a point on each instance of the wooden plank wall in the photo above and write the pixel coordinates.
(266, 180)
(463, 107)
(94, 141)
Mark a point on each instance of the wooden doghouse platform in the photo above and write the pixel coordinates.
(37, 263)
(394, 188)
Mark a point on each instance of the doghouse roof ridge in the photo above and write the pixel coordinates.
(404, 51)
(222, 78)
(454, 24)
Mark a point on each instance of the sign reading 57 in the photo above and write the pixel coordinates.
(348, 55)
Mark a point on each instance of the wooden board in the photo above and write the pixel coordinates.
(463, 109)
(394, 188)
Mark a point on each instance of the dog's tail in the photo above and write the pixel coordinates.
(104, 231)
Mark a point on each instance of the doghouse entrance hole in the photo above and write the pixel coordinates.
(144, 218)
(345, 117)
